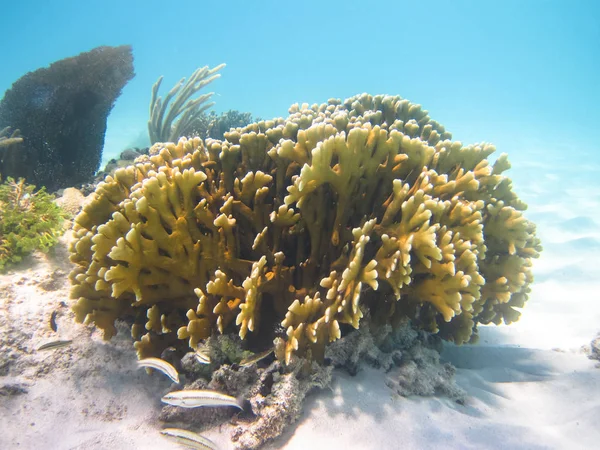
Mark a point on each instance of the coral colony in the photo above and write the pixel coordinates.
(291, 230)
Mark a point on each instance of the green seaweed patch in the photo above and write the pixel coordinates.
(29, 220)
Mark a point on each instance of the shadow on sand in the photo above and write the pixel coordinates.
(362, 410)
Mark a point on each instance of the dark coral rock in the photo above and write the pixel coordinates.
(61, 111)
(595, 349)
(130, 154)
(421, 373)
(276, 401)
(234, 382)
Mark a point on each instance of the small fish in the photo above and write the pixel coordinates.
(53, 321)
(202, 356)
(162, 365)
(54, 345)
(196, 398)
(247, 362)
(189, 439)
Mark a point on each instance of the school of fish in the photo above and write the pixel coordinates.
(191, 398)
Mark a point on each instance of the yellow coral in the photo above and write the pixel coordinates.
(306, 222)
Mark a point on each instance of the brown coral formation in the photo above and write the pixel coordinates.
(61, 110)
(291, 229)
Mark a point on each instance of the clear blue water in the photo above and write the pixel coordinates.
(521, 74)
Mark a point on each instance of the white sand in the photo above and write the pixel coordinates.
(519, 399)
(530, 385)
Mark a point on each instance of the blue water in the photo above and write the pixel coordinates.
(523, 74)
(519, 74)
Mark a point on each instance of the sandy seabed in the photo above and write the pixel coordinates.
(529, 386)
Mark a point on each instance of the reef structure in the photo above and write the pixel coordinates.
(61, 112)
(291, 230)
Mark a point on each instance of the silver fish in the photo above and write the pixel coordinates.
(246, 362)
(54, 345)
(161, 365)
(189, 438)
(196, 398)
(202, 356)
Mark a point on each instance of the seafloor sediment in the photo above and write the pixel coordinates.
(92, 386)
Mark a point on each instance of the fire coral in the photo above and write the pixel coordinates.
(293, 229)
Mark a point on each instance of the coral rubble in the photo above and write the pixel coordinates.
(410, 358)
(290, 230)
(61, 111)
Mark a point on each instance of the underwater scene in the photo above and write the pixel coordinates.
(313, 225)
